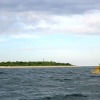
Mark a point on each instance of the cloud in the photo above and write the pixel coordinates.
(24, 36)
(3, 39)
(49, 6)
(30, 24)
(87, 23)
(24, 23)
(30, 18)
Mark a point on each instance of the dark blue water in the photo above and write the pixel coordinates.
(49, 84)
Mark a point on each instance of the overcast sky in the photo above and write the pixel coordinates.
(53, 30)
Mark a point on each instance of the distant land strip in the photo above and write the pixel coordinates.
(34, 63)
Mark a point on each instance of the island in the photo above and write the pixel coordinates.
(33, 64)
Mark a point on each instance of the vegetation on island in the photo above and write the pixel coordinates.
(33, 63)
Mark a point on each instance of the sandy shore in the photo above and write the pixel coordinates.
(37, 66)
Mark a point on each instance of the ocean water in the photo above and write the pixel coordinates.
(49, 84)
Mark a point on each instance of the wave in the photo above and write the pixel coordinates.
(63, 79)
(95, 76)
(74, 96)
(2, 73)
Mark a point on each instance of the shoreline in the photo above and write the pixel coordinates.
(38, 66)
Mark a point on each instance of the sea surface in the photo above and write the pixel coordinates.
(49, 84)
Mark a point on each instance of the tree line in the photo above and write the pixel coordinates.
(33, 63)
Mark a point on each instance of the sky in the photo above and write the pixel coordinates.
(65, 31)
